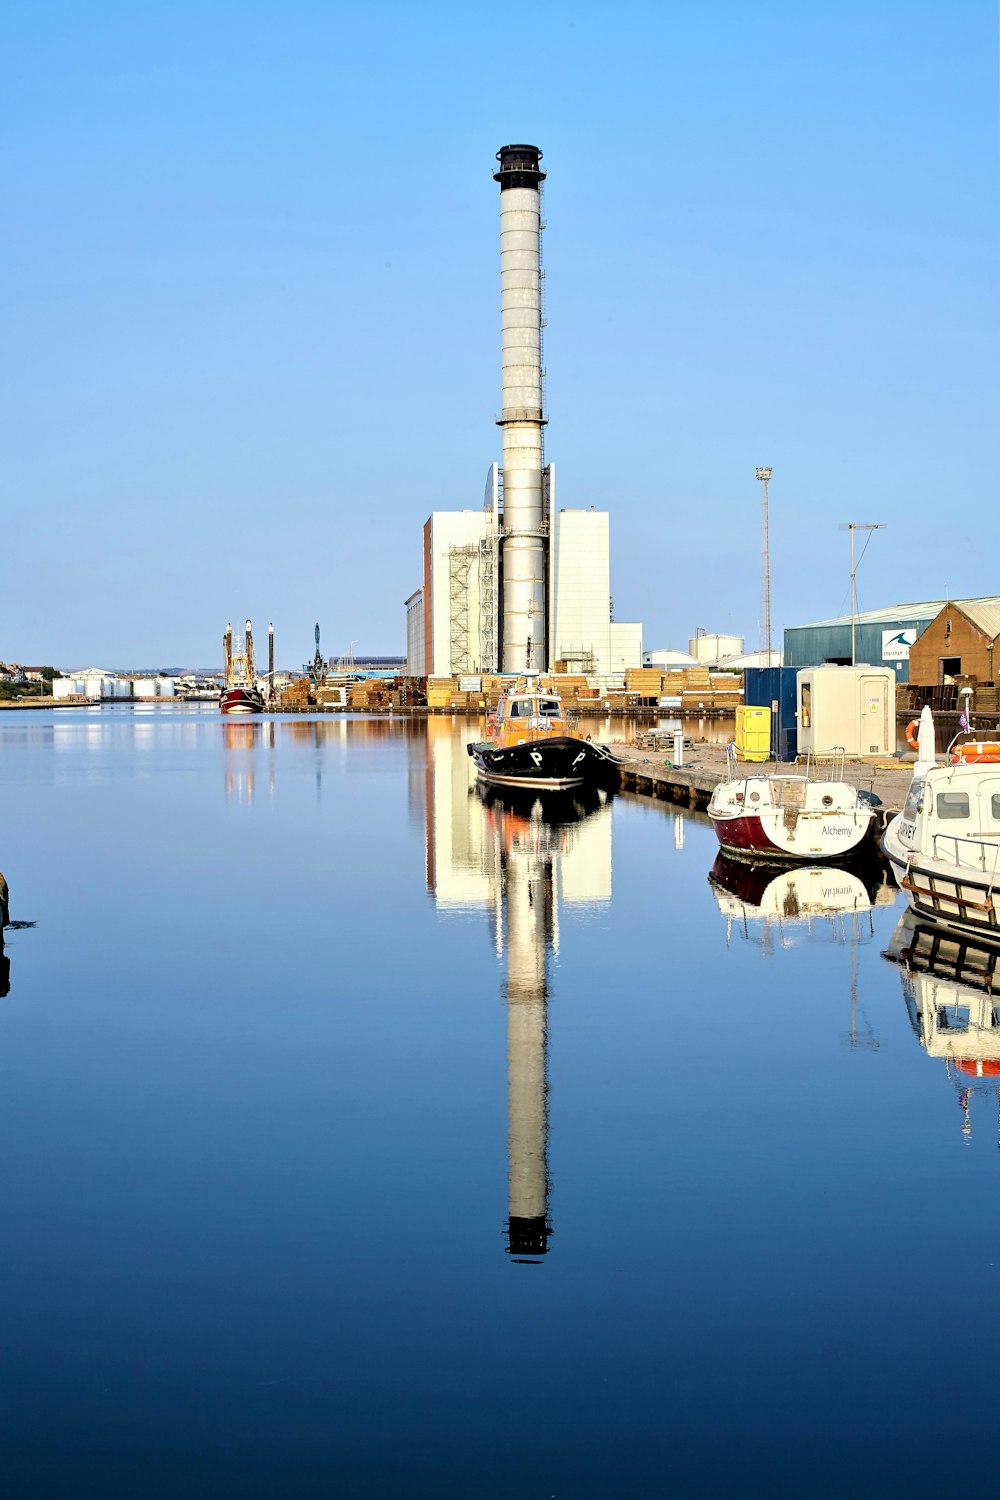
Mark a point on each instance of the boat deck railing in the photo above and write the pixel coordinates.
(826, 767)
(982, 854)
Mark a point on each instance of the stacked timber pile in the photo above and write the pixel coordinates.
(370, 693)
(440, 690)
(297, 695)
(697, 687)
(409, 692)
(911, 697)
(645, 683)
(571, 687)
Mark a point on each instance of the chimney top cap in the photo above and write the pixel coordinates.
(519, 167)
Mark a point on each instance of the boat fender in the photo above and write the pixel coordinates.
(911, 735)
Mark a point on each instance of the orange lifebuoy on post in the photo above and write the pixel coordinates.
(911, 735)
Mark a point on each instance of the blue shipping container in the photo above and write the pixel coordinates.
(774, 688)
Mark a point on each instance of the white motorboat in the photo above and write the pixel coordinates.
(791, 817)
(944, 846)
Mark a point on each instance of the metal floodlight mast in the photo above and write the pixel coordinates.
(764, 476)
(522, 418)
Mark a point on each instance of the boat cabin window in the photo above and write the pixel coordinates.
(520, 708)
(952, 805)
(914, 800)
(550, 708)
(995, 805)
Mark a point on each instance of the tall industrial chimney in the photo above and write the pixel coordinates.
(522, 417)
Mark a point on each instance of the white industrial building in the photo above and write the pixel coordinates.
(520, 582)
(416, 665)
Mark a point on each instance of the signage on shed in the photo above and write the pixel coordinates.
(896, 644)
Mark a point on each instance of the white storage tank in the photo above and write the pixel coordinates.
(708, 649)
(853, 708)
(144, 687)
(67, 687)
(164, 687)
(98, 683)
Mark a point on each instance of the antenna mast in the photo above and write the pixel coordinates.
(765, 568)
(852, 527)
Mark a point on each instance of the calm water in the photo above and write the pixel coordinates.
(363, 1138)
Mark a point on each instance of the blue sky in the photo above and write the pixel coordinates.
(252, 306)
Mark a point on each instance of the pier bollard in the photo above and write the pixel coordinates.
(678, 747)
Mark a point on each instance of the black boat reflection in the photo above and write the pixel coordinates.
(6, 926)
(949, 986)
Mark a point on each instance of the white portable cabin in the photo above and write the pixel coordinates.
(853, 708)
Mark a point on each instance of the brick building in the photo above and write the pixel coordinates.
(963, 640)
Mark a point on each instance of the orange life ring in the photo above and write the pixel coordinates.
(911, 735)
(976, 752)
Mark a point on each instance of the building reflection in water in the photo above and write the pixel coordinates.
(520, 856)
(244, 739)
(949, 984)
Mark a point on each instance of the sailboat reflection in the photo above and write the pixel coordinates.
(949, 984)
(522, 856)
(776, 907)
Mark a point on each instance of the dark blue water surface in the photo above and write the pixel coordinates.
(289, 1210)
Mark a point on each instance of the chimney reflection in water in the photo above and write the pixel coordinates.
(518, 855)
(526, 865)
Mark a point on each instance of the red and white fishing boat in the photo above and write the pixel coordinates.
(241, 693)
(791, 817)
